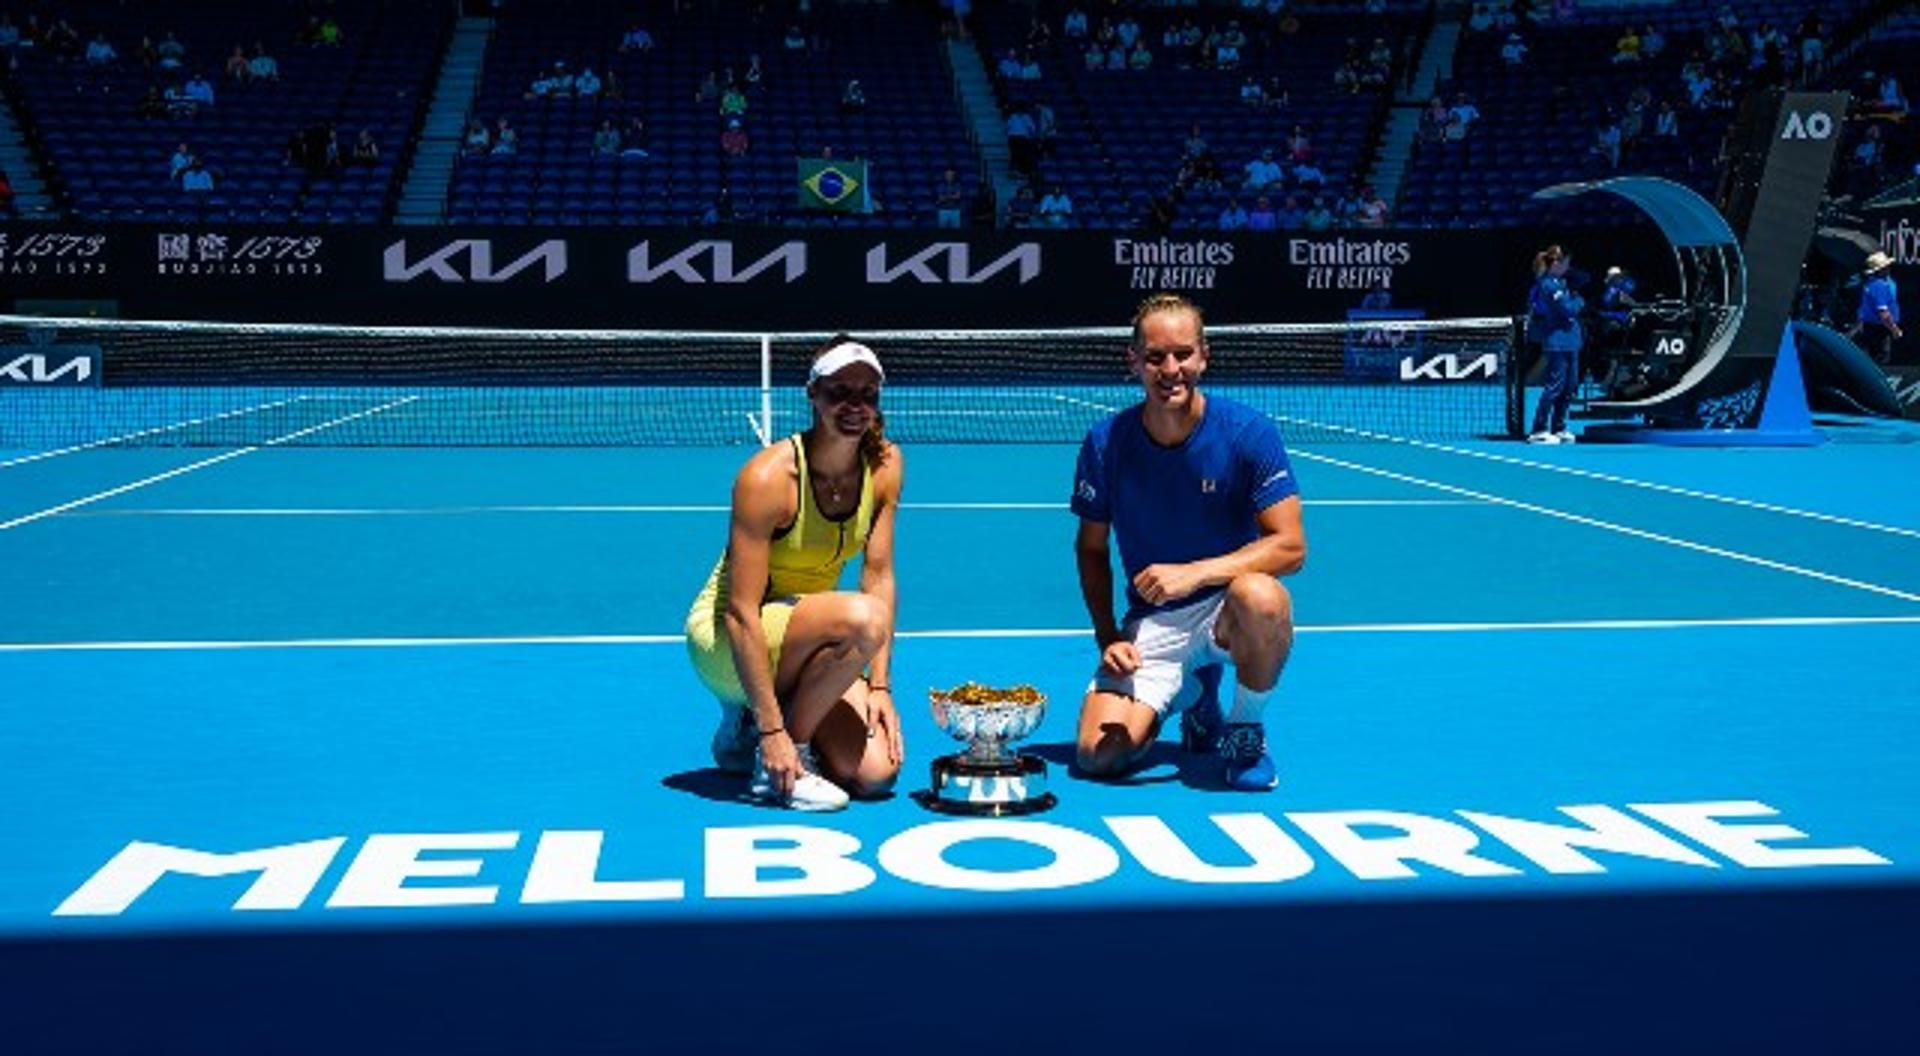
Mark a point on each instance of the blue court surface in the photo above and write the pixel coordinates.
(398, 750)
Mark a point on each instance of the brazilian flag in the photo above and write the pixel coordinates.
(833, 185)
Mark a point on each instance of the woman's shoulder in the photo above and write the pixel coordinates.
(773, 466)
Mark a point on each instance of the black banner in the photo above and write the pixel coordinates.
(708, 279)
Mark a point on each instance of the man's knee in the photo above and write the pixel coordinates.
(1260, 599)
(1107, 753)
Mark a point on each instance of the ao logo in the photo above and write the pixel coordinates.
(1670, 346)
(1817, 125)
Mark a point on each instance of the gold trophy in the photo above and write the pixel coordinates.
(988, 778)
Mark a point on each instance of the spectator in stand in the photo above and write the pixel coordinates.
(197, 178)
(1127, 31)
(636, 39)
(1307, 174)
(199, 89)
(1299, 145)
(1666, 123)
(179, 103)
(1606, 141)
(1627, 48)
(1481, 20)
(1095, 57)
(477, 141)
(505, 139)
(1022, 140)
(588, 84)
(263, 67)
(1291, 215)
(1892, 99)
(1020, 209)
(795, 40)
(1056, 208)
(1813, 47)
(1318, 216)
(733, 138)
(6, 196)
(949, 198)
(1463, 114)
(182, 157)
(170, 52)
(238, 68)
(733, 102)
(1233, 217)
(1140, 58)
(633, 138)
(1372, 211)
(1074, 26)
(1029, 66)
(100, 51)
(330, 35)
(606, 139)
(1251, 93)
(9, 34)
(1263, 172)
(1009, 66)
(1195, 145)
(1514, 51)
(366, 150)
(1432, 129)
(853, 98)
(1263, 217)
(1652, 42)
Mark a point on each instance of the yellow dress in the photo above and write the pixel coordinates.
(804, 558)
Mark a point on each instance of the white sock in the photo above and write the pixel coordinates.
(1249, 704)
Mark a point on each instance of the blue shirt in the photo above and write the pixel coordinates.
(1879, 293)
(1555, 310)
(1197, 500)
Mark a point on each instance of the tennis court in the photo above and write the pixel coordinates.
(1572, 740)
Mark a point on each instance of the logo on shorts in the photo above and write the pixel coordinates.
(1085, 491)
(1208, 487)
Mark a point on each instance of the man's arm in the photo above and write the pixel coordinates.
(1095, 562)
(1281, 550)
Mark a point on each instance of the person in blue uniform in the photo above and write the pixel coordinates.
(1200, 496)
(1553, 312)
(1877, 325)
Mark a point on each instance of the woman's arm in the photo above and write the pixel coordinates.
(876, 567)
(761, 504)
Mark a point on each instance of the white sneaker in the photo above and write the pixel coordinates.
(735, 740)
(1566, 437)
(1544, 438)
(811, 793)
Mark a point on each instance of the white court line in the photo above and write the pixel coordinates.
(1008, 633)
(203, 463)
(435, 511)
(1613, 478)
(1638, 533)
(148, 432)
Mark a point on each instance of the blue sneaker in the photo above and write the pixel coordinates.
(1243, 745)
(1200, 724)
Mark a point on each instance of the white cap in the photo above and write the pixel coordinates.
(840, 357)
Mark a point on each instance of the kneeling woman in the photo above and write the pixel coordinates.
(799, 667)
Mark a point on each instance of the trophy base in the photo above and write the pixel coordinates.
(1009, 788)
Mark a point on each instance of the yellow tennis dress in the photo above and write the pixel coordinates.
(805, 558)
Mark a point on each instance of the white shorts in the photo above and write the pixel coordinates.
(1172, 644)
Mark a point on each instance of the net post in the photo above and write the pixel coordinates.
(766, 389)
(1517, 378)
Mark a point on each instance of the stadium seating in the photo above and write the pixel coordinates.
(910, 130)
(1121, 131)
(110, 163)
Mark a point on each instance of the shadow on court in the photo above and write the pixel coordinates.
(1800, 969)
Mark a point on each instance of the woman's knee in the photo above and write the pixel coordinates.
(865, 622)
(876, 774)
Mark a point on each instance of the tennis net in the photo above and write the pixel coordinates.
(66, 382)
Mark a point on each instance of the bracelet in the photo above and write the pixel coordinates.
(776, 729)
(879, 689)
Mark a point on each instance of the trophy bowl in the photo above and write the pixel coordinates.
(988, 778)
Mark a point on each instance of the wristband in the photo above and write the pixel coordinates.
(879, 689)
